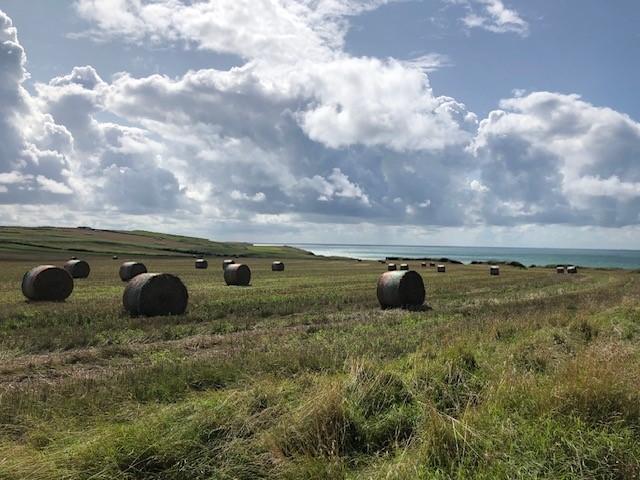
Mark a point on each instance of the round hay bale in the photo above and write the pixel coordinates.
(77, 268)
(400, 289)
(432, 264)
(392, 267)
(559, 269)
(47, 283)
(115, 257)
(226, 263)
(494, 270)
(73, 258)
(404, 266)
(277, 267)
(423, 264)
(201, 263)
(128, 270)
(237, 274)
(572, 269)
(442, 269)
(153, 294)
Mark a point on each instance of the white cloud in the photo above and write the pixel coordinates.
(31, 144)
(589, 186)
(567, 160)
(54, 151)
(52, 186)
(492, 15)
(258, 197)
(374, 103)
(270, 219)
(477, 186)
(336, 184)
(271, 30)
(302, 134)
(429, 62)
(13, 177)
(294, 52)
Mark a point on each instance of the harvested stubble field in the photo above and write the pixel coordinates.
(527, 375)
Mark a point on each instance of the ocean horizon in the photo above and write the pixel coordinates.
(599, 258)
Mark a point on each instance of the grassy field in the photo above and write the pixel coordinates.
(527, 375)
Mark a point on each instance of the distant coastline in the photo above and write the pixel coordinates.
(597, 258)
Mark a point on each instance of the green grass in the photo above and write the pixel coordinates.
(527, 375)
(22, 242)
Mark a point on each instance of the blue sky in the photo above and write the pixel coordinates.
(583, 47)
(490, 122)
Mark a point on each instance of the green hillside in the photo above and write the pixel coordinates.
(18, 241)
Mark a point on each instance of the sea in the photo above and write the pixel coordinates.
(528, 256)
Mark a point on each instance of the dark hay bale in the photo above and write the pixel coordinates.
(77, 268)
(494, 270)
(572, 269)
(47, 283)
(559, 269)
(202, 264)
(400, 289)
(442, 269)
(404, 266)
(153, 294)
(431, 264)
(392, 267)
(226, 263)
(277, 267)
(128, 270)
(423, 264)
(73, 258)
(237, 274)
(115, 257)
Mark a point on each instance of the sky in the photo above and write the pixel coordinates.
(424, 122)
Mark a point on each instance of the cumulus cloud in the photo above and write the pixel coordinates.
(337, 184)
(49, 185)
(493, 16)
(275, 130)
(272, 30)
(294, 55)
(477, 186)
(54, 151)
(33, 161)
(301, 133)
(374, 103)
(429, 62)
(257, 197)
(563, 160)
